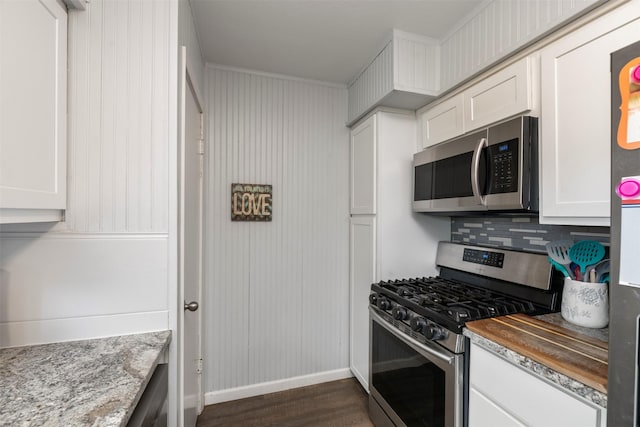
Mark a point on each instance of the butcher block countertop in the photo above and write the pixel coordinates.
(566, 356)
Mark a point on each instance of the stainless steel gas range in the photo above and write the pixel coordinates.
(418, 359)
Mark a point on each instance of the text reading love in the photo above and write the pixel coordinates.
(251, 202)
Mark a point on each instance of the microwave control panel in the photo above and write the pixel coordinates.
(503, 160)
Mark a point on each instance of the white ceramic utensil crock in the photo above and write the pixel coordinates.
(585, 304)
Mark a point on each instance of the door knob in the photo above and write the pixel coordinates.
(192, 306)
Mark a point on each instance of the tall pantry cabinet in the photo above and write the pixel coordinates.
(388, 240)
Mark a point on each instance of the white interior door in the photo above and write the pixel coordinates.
(191, 204)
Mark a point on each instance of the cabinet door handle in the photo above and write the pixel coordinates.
(192, 306)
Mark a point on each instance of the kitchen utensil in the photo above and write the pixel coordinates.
(561, 268)
(600, 264)
(586, 253)
(602, 268)
(575, 271)
(558, 251)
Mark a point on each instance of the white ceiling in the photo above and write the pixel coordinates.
(327, 40)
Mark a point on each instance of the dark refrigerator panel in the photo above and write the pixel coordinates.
(624, 325)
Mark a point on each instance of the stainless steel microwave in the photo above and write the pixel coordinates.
(494, 169)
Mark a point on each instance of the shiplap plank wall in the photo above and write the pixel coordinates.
(497, 29)
(418, 63)
(280, 288)
(105, 270)
(374, 83)
(119, 102)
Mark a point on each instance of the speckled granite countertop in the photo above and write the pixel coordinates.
(94, 382)
(544, 371)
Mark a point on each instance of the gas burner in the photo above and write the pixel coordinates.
(430, 298)
(404, 291)
(460, 314)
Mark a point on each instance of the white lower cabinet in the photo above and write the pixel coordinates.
(362, 259)
(502, 394)
(575, 122)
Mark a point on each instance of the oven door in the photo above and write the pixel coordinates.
(412, 383)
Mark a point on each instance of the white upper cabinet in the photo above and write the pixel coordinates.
(363, 167)
(443, 121)
(502, 95)
(33, 119)
(575, 123)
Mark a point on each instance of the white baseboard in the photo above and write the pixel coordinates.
(213, 397)
(15, 334)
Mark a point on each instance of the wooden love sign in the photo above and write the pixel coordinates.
(251, 202)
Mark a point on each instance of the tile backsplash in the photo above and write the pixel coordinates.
(523, 233)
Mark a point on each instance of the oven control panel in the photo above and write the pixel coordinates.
(492, 259)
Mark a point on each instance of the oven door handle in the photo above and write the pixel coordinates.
(415, 343)
(475, 170)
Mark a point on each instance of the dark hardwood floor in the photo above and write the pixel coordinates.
(333, 404)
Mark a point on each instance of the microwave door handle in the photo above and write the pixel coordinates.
(475, 170)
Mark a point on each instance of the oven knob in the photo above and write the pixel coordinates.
(373, 299)
(434, 333)
(400, 313)
(384, 304)
(418, 324)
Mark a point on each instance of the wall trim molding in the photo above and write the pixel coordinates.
(17, 334)
(252, 390)
(210, 65)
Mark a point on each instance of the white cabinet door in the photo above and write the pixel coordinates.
(443, 121)
(487, 413)
(363, 167)
(576, 123)
(33, 76)
(362, 261)
(502, 394)
(504, 94)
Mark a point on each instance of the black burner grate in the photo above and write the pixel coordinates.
(450, 302)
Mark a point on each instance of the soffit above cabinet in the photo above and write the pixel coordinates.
(490, 35)
(405, 74)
